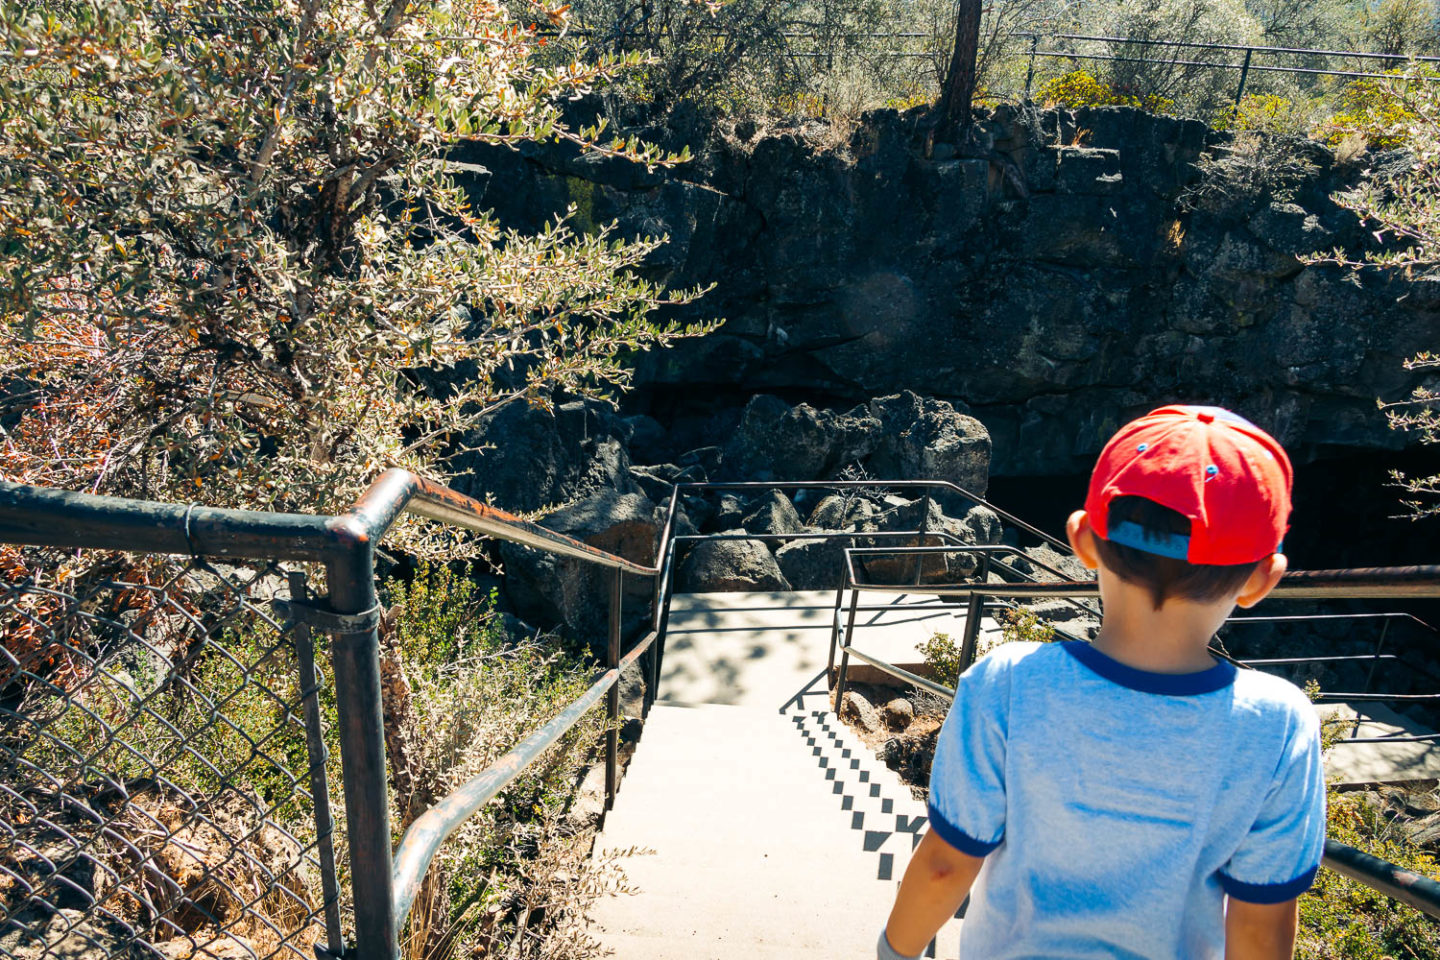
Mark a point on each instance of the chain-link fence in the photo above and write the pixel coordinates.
(162, 762)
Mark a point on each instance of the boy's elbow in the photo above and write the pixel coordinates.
(943, 863)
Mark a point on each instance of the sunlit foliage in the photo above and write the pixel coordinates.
(238, 267)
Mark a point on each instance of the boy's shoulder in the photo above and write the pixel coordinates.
(1021, 654)
(1264, 693)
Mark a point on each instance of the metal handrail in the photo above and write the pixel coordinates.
(1203, 45)
(384, 889)
(424, 836)
(383, 895)
(399, 491)
(926, 485)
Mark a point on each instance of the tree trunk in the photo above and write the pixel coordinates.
(952, 113)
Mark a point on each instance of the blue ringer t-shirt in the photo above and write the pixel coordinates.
(1116, 807)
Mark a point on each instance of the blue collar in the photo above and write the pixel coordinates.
(1169, 684)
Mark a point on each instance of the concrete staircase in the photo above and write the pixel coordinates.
(767, 829)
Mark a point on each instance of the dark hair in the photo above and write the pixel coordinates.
(1165, 577)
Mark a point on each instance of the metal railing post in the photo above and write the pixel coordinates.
(845, 653)
(835, 625)
(1030, 69)
(356, 663)
(1244, 72)
(973, 613)
(612, 698)
(923, 528)
(667, 586)
(316, 754)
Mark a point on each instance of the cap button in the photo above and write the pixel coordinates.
(1205, 417)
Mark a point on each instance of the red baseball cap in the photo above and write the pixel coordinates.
(1231, 479)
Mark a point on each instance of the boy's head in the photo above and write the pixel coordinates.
(1188, 501)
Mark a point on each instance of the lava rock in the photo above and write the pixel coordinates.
(841, 512)
(857, 709)
(648, 441)
(898, 713)
(813, 564)
(714, 566)
(729, 514)
(775, 441)
(530, 457)
(559, 591)
(927, 439)
(774, 514)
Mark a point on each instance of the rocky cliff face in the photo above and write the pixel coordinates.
(1055, 284)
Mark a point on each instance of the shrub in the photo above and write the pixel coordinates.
(1252, 168)
(1343, 919)
(1400, 207)
(1264, 113)
(239, 269)
(1023, 624)
(942, 657)
(1080, 88)
(1383, 112)
(460, 693)
(942, 653)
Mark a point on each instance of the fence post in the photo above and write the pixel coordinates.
(973, 615)
(356, 663)
(924, 529)
(1244, 72)
(319, 786)
(1030, 70)
(612, 699)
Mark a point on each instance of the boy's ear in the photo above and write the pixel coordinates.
(1082, 539)
(1263, 580)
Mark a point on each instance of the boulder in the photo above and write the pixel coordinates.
(934, 568)
(558, 591)
(704, 459)
(729, 514)
(860, 711)
(774, 514)
(927, 439)
(898, 713)
(775, 441)
(648, 441)
(813, 564)
(715, 566)
(528, 457)
(842, 512)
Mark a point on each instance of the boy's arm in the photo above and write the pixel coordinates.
(1259, 931)
(934, 886)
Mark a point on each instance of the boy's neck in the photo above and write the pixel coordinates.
(1173, 639)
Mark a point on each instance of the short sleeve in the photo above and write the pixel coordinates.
(967, 777)
(1279, 857)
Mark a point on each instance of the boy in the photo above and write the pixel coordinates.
(1105, 799)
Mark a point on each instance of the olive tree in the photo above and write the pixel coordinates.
(238, 266)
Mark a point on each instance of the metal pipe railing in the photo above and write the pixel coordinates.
(423, 838)
(384, 888)
(383, 896)
(927, 485)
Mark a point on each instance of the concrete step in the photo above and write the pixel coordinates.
(753, 842)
